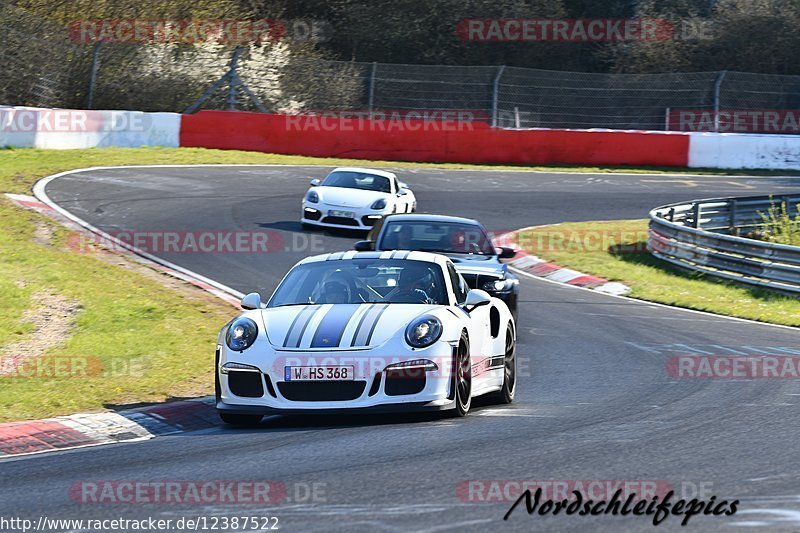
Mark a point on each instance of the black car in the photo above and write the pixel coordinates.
(465, 241)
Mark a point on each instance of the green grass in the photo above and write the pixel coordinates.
(128, 320)
(779, 226)
(616, 251)
(158, 342)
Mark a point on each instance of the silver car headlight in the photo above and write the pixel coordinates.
(241, 334)
(423, 331)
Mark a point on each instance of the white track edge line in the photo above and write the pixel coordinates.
(40, 193)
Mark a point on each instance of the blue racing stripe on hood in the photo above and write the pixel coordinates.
(331, 328)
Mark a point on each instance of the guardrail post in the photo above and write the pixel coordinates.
(672, 214)
(732, 229)
(696, 215)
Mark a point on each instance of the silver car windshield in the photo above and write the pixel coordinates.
(362, 281)
(442, 237)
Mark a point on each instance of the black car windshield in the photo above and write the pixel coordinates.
(430, 236)
(358, 281)
(358, 180)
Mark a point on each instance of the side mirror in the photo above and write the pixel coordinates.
(402, 192)
(506, 253)
(364, 246)
(477, 298)
(315, 182)
(251, 301)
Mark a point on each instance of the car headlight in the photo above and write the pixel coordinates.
(312, 197)
(423, 331)
(500, 285)
(241, 334)
(379, 204)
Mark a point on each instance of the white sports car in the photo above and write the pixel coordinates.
(354, 198)
(368, 332)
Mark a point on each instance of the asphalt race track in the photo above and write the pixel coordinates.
(594, 401)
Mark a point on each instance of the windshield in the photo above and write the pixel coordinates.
(362, 281)
(358, 180)
(427, 236)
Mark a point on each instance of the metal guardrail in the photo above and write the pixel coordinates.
(705, 236)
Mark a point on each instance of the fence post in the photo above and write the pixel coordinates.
(231, 102)
(93, 75)
(371, 101)
(232, 78)
(717, 88)
(733, 230)
(495, 91)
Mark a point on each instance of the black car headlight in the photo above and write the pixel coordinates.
(500, 285)
(241, 334)
(312, 197)
(379, 204)
(423, 331)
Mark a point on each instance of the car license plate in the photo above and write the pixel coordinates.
(343, 214)
(319, 373)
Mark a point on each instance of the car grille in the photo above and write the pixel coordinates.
(342, 221)
(321, 391)
(476, 281)
(312, 215)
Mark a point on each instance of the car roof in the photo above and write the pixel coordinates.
(422, 217)
(383, 173)
(389, 254)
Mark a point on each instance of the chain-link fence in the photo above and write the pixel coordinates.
(43, 67)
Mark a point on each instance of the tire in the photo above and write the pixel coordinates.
(462, 378)
(240, 420)
(506, 394)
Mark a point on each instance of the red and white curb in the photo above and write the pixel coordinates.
(95, 429)
(535, 266)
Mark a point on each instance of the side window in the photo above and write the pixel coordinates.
(459, 287)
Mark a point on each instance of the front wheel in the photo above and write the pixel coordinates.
(463, 377)
(506, 394)
(240, 420)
